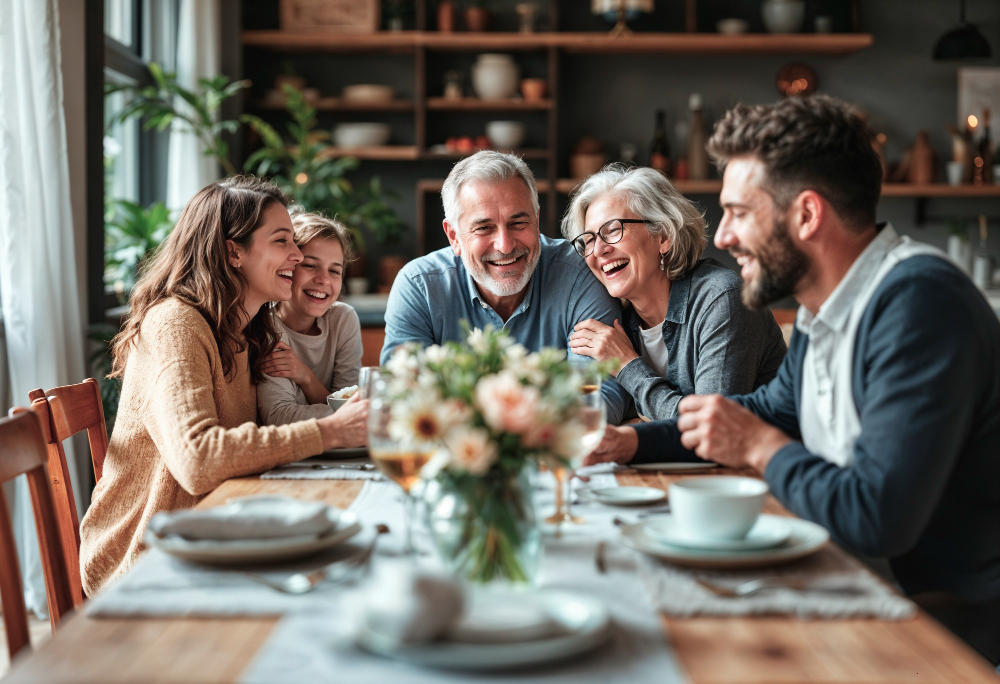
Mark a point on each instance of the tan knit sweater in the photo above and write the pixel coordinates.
(182, 429)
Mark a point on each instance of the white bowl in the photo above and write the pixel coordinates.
(505, 135)
(719, 507)
(361, 134)
(732, 27)
(335, 403)
(368, 92)
(783, 16)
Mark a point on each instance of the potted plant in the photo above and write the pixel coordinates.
(478, 16)
(959, 247)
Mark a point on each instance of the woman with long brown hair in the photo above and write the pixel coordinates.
(190, 357)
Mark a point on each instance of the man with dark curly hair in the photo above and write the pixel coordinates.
(883, 423)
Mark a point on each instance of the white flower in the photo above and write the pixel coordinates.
(417, 419)
(436, 354)
(402, 363)
(471, 449)
(477, 340)
(507, 405)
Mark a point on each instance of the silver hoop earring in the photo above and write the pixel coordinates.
(663, 262)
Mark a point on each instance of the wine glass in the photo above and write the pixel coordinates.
(399, 458)
(365, 379)
(592, 417)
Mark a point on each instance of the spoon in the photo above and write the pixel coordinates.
(344, 466)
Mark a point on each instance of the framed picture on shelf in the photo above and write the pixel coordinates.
(334, 16)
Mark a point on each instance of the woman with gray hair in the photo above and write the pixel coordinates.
(684, 329)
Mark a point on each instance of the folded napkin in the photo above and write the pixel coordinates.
(256, 517)
(674, 590)
(412, 606)
(305, 470)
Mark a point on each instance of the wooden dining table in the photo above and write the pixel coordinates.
(710, 650)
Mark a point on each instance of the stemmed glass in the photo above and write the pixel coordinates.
(592, 416)
(399, 459)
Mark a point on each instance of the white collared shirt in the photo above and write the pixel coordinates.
(828, 417)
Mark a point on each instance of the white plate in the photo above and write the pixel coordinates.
(769, 531)
(806, 538)
(584, 621)
(252, 551)
(623, 496)
(673, 467)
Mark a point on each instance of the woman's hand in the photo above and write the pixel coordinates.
(602, 342)
(348, 427)
(283, 362)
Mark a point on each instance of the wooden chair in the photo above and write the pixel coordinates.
(22, 451)
(65, 411)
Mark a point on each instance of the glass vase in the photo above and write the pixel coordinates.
(485, 527)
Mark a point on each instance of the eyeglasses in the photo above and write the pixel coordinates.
(611, 232)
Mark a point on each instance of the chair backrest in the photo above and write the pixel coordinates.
(65, 411)
(22, 451)
(75, 408)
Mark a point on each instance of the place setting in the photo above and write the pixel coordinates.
(715, 553)
(254, 555)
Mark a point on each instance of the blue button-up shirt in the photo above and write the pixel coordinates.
(432, 295)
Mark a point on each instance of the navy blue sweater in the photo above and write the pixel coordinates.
(924, 489)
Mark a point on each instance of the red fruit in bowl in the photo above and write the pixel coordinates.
(483, 143)
(465, 144)
(451, 144)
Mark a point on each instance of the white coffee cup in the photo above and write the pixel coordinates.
(719, 507)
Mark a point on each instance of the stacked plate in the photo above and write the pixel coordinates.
(772, 540)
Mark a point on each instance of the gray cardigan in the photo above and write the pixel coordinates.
(715, 345)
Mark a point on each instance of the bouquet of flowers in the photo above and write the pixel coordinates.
(494, 409)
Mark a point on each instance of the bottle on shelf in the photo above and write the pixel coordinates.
(697, 155)
(659, 150)
(982, 171)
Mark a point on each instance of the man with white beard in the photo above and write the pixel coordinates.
(498, 271)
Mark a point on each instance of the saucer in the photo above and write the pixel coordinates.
(624, 496)
(806, 538)
(768, 532)
(673, 467)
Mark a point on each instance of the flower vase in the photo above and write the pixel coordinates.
(485, 527)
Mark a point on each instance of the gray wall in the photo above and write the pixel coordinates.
(614, 97)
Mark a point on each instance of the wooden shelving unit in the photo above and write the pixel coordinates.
(939, 190)
(553, 46)
(384, 153)
(473, 104)
(835, 44)
(339, 104)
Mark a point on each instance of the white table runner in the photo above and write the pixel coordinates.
(316, 646)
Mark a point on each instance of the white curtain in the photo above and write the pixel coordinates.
(38, 283)
(199, 54)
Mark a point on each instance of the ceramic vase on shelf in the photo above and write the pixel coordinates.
(477, 19)
(446, 12)
(495, 77)
(922, 161)
(783, 16)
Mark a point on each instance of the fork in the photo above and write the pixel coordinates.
(343, 466)
(755, 586)
(304, 582)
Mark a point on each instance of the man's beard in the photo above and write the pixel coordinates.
(501, 287)
(780, 265)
